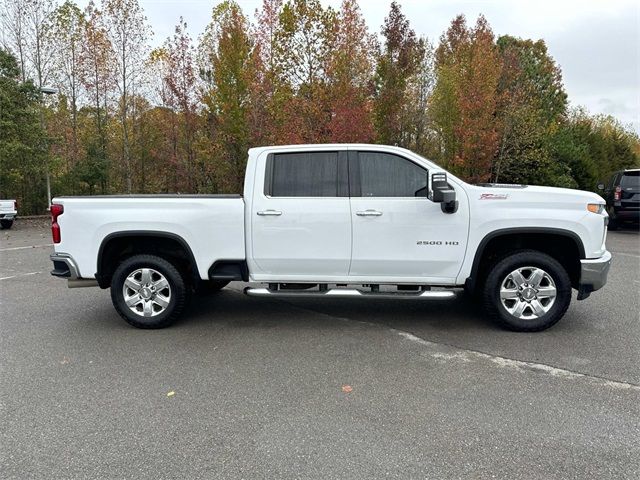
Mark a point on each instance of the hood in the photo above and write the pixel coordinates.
(488, 191)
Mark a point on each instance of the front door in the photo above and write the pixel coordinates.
(301, 220)
(398, 233)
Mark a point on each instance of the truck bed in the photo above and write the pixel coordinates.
(211, 225)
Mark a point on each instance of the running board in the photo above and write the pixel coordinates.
(346, 292)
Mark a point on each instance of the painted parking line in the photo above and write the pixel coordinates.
(19, 275)
(24, 248)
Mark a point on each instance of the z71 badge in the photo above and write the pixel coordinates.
(494, 196)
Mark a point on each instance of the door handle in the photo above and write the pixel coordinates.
(369, 213)
(269, 213)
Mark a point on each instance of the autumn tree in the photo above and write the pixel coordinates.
(416, 126)
(465, 98)
(128, 34)
(65, 34)
(97, 75)
(266, 88)
(303, 42)
(532, 103)
(349, 69)
(398, 60)
(173, 66)
(226, 68)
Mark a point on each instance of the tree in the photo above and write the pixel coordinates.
(415, 122)
(265, 117)
(97, 67)
(22, 155)
(226, 67)
(179, 81)
(532, 103)
(128, 34)
(398, 61)
(303, 43)
(593, 147)
(349, 68)
(65, 34)
(14, 24)
(465, 98)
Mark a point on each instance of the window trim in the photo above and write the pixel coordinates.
(342, 174)
(355, 184)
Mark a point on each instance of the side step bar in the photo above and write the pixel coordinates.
(347, 292)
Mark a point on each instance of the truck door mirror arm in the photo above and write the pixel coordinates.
(442, 193)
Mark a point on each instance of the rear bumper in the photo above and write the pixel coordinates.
(64, 266)
(7, 216)
(593, 274)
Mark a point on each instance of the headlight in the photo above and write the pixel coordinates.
(595, 207)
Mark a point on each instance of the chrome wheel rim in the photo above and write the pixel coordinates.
(146, 292)
(528, 293)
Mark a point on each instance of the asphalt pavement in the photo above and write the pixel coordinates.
(264, 388)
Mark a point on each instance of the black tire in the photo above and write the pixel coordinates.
(6, 224)
(178, 291)
(613, 223)
(526, 258)
(206, 287)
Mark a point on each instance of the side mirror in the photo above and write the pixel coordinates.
(601, 186)
(442, 193)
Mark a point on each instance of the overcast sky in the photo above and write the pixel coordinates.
(596, 43)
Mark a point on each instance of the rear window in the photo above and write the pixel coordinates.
(312, 174)
(630, 180)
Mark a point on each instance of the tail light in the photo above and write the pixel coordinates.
(15, 205)
(56, 211)
(617, 194)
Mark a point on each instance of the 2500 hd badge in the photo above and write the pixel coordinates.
(437, 242)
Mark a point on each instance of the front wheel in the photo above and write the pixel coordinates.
(527, 291)
(148, 291)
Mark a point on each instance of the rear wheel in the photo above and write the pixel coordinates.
(527, 291)
(148, 291)
(7, 224)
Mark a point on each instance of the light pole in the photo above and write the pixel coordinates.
(47, 91)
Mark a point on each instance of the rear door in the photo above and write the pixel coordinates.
(300, 215)
(398, 233)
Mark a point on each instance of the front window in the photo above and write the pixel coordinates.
(388, 175)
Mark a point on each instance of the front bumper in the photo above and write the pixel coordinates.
(593, 274)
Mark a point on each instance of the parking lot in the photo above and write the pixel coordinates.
(262, 388)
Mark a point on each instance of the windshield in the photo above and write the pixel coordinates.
(630, 180)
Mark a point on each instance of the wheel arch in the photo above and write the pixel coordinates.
(117, 246)
(565, 246)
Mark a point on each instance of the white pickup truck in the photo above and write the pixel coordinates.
(8, 212)
(339, 220)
